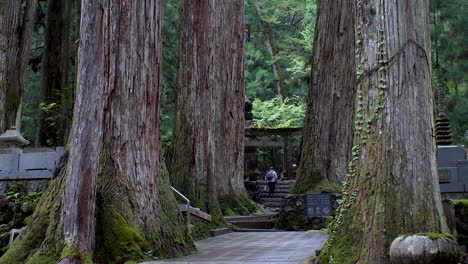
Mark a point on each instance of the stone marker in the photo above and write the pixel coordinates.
(318, 205)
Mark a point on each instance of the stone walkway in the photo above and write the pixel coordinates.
(255, 248)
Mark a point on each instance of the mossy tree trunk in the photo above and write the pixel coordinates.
(208, 143)
(55, 67)
(327, 133)
(15, 43)
(113, 203)
(392, 186)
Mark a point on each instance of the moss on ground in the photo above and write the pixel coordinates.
(291, 221)
(22, 249)
(235, 204)
(343, 251)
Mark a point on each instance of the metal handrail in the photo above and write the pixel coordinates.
(188, 206)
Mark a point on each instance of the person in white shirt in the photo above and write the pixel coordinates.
(270, 178)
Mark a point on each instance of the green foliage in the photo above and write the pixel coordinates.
(459, 204)
(272, 113)
(24, 203)
(449, 36)
(170, 65)
(449, 60)
(456, 103)
(292, 23)
(62, 111)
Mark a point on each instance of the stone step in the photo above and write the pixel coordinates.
(214, 232)
(282, 184)
(256, 230)
(275, 195)
(239, 218)
(253, 224)
(272, 204)
(280, 181)
(272, 199)
(279, 190)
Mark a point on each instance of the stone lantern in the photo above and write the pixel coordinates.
(12, 139)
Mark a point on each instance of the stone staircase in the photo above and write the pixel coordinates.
(252, 223)
(282, 190)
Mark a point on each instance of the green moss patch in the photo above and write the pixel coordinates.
(435, 236)
(309, 182)
(25, 247)
(460, 203)
(326, 186)
(343, 251)
(116, 240)
(236, 205)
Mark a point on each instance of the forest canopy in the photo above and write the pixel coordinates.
(292, 30)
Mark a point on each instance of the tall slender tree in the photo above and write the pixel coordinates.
(392, 186)
(55, 68)
(271, 47)
(208, 143)
(15, 43)
(112, 202)
(327, 133)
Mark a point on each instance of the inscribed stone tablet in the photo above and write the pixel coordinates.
(318, 205)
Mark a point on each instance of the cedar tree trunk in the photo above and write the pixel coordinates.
(112, 203)
(55, 68)
(327, 133)
(15, 43)
(208, 143)
(392, 186)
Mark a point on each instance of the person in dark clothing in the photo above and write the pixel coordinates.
(271, 178)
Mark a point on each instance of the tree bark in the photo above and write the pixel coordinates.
(288, 158)
(55, 68)
(392, 186)
(270, 44)
(114, 197)
(15, 44)
(208, 143)
(328, 125)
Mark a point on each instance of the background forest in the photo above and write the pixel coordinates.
(279, 36)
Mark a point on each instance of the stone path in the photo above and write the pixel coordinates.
(255, 248)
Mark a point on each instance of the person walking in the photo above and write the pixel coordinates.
(271, 178)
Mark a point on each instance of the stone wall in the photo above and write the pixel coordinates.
(32, 167)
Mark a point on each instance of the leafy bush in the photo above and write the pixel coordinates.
(274, 114)
(23, 203)
(457, 111)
